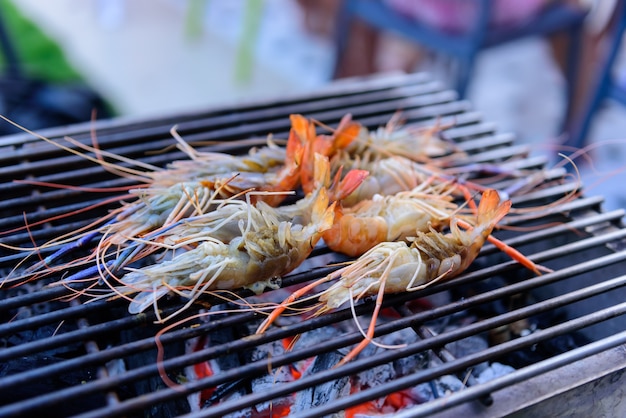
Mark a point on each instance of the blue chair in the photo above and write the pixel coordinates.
(557, 17)
(605, 85)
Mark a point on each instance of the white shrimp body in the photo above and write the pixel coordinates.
(400, 262)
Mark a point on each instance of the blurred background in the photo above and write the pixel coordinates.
(147, 58)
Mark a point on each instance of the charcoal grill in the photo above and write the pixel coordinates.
(95, 360)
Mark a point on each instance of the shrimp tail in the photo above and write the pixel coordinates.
(321, 172)
(293, 163)
(306, 132)
(347, 131)
(491, 210)
(342, 188)
(302, 128)
(294, 149)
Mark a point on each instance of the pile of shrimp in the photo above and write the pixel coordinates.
(391, 198)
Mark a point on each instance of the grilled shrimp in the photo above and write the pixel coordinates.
(429, 256)
(270, 168)
(269, 242)
(399, 217)
(394, 267)
(265, 250)
(200, 165)
(163, 202)
(398, 159)
(158, 206)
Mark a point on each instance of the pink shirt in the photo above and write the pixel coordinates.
(458, 15)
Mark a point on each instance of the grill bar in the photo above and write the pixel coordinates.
(93, 349)
(359, 365)
(585, 247)
(518, 376)
(446, 356)
(387, 87)
(217, 127)
(407, 381)
(471, 360)
(73, 336)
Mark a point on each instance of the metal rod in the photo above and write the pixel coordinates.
(545, 233)
(444, 354)
(517, 376)
(73, 311)
(325, 97)
(353, 338)
(92, 348)
(60, 340)
(485, 355)
(359, 365)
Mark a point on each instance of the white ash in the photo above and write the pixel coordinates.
(216, 365)
(409, 364)
(377, 375)
(443, 386)
(268, 381)
(448, 384)
(494, 371)
(467, 346)
(244, 413)
(116, 366)
(190, 373)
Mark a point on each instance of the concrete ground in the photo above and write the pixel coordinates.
(155, 57)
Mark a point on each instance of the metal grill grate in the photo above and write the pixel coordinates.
(96, 360)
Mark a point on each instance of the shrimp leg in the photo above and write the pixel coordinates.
(276, 312)
(371, 329)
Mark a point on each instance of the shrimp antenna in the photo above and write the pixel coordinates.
(98, 161)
